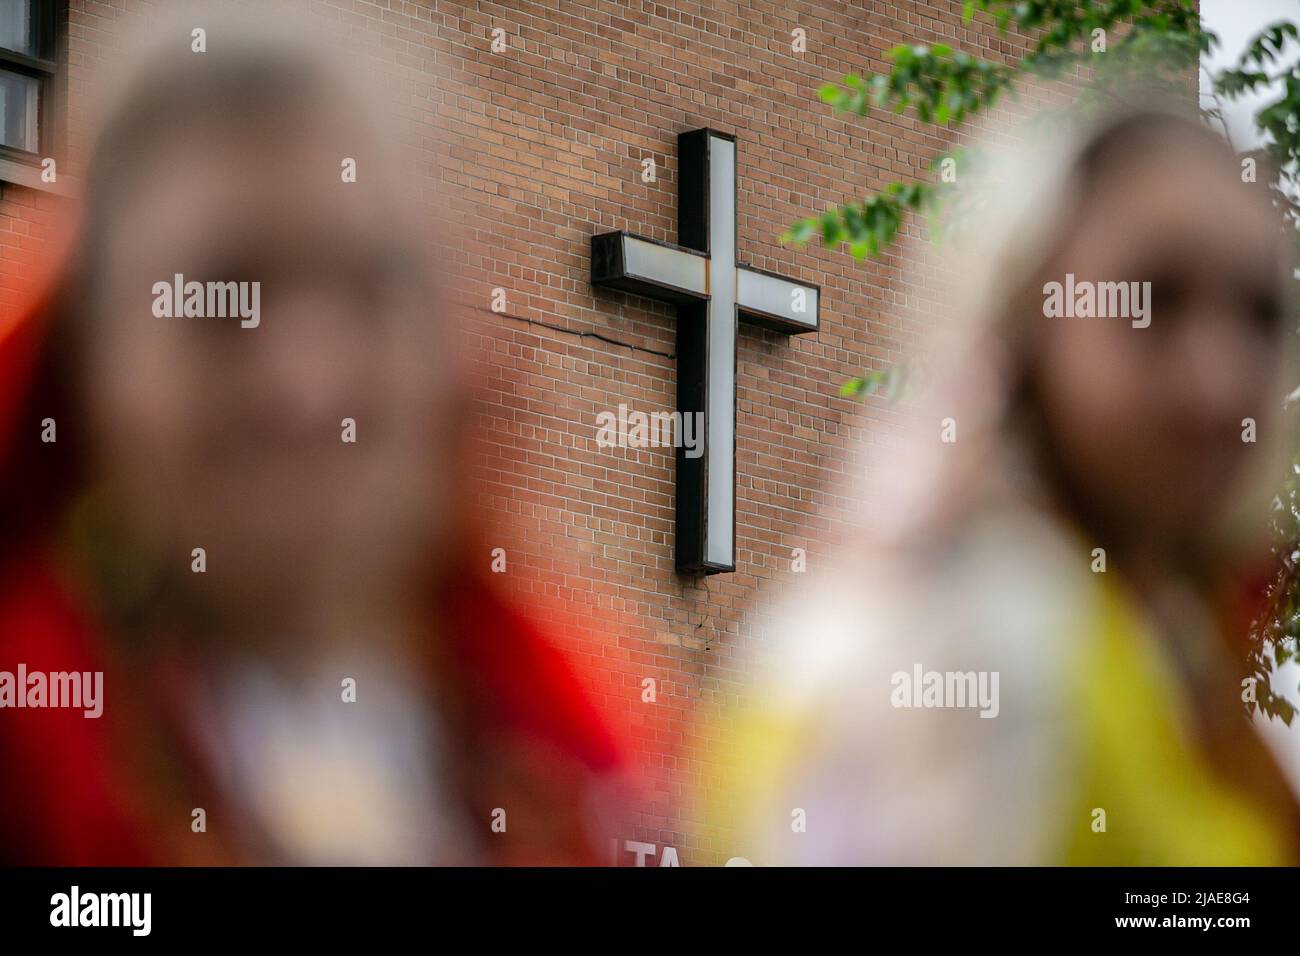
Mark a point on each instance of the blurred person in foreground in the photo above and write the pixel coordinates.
(1027, 659)
(332, 681)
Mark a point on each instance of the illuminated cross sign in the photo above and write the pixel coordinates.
(712, 292)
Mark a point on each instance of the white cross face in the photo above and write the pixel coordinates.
(712, 292)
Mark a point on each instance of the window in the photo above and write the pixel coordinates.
(28, 45)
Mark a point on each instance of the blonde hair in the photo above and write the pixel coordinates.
(980, 353)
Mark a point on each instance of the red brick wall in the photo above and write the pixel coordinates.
(535, 149)
(562, 122)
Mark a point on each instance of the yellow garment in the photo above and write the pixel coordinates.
(1163, 803)
(1123, 729)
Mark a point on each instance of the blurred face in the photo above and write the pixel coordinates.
(1147, 422)
(231, 438)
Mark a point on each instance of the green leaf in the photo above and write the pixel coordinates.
(852, 387)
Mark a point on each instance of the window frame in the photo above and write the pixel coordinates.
(48, 16)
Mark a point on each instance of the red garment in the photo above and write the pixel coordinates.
(66, 800)
(60, 801)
